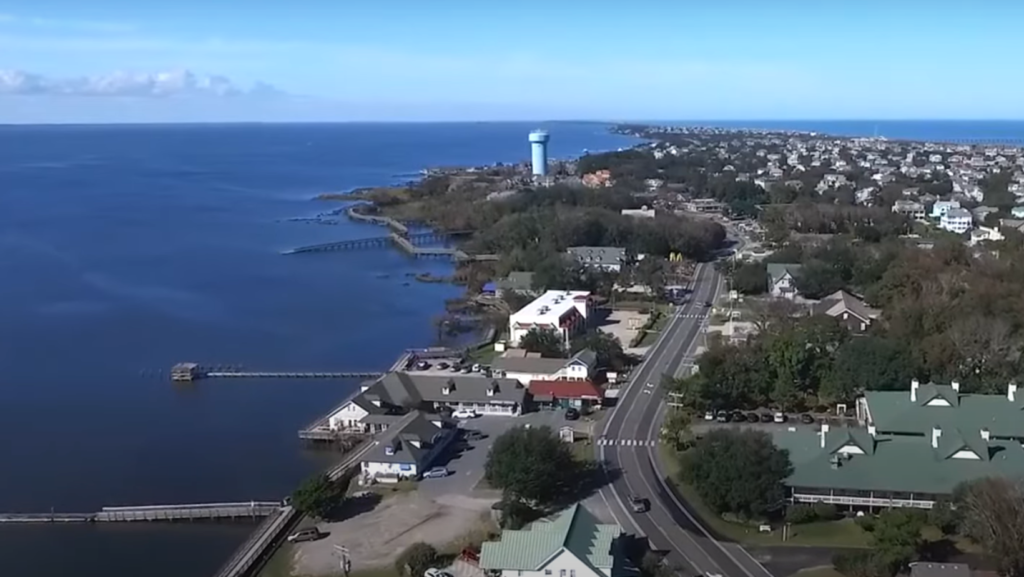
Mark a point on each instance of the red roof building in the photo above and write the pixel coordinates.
(576, 390)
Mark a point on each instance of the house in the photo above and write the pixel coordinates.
(573, 544)
(848, 309)
(564, 394)
(606, 258)
(527, 367)
(1017, 212)
(642, 212)
(985, 234)
(782, 279)
(564, 312)
(516, 281)
(407, 448)
(382, 403)
(909, 208)
(941, 207)
(956, 220)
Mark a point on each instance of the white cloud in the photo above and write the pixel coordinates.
(144, 85)
(67, 25)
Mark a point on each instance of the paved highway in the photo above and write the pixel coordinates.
(668, 525)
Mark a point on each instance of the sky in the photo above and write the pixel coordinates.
(428, 60)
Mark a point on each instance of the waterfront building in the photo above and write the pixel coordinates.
(407, 448)
(527, 367)
(539, 151)
(564, 312)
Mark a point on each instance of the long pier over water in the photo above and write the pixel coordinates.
(153, 513)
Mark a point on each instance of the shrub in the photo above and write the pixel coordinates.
(867, 522)
(825, 512)
(797, 514)
(416, 559)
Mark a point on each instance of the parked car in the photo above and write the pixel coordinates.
(806, 419)
(766, 417)
(475, 368)
(572, 414)
(467, 369)
(473, 435)
(722, 417)
(709, 416)
(437, 473)
(456, 367)
(422, 366)
(464, 414)
(311, 534)
(433, 572)
(442, 365)
(639, 504)
(780, 417)
(753, 417)
(738, 417)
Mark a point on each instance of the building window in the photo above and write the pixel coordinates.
(547, 571)
(572, 573)
(561, 573)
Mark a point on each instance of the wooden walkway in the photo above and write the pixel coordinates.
(153, 513)
(291, 375)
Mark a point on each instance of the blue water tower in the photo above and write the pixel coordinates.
(539, 149)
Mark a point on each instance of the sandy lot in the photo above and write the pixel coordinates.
(624, 325)
(375, 538)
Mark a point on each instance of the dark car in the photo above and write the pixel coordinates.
(738, 417)
(639, 504)
(753, 417)
(766, 418)
(722, 417)
(473, 435)
(806, 419)
(708, 304)
(572, 414)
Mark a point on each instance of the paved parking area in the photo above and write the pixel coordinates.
(701, 425)
(466, 459)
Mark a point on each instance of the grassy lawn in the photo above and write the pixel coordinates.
(484, 356)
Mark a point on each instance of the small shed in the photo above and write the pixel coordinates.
(567, 434)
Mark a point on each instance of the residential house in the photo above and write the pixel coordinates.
(605, 258)
(941, 207)
(1017, 212)
(407, 448)
(516, 281)
(642, 212)
(598, 179)
(572, 544)
(848, 309)
(565, 394)
(985, 234)
(782, 279)
(527, 367)
(957, 220)
(980, 213)
(909, 208)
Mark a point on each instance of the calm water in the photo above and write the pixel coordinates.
(126, 249)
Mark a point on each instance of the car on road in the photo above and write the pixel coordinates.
(766, 417)
(311, 534)
(639, 504)
(434, 572)
(806, 419)
(572, 414)
(437, 473)
(779, 417)
(708, 304)
(464, 414)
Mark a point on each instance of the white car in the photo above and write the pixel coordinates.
(433, 572)
(464, 414)
(709, 416)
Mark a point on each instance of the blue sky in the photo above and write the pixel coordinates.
(529, 59)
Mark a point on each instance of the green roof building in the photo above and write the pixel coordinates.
(915, 448)
(572, 544)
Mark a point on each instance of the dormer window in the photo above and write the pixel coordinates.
(389, 449)
(492, 389)
(448, 387)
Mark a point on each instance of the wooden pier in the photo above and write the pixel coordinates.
(395, 238)
(154, 513)
(188, 372)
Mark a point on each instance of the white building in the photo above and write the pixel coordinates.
(527, 367)
(564, 312)
(407, 448)
(985, 234)
(941, 207)
(957, 220)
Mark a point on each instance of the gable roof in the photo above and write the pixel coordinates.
(837, 439)
(598, 255)
(540, 365)
(895, 412)
(575, 530)
(410, 428)
(777, 270)
(898, 463)
(565, 389)
(401, 388)
(841, 301)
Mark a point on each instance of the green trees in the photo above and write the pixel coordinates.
(607, 348)
(546, 342)
(896, 541)
(318, 496)
(531, 465)
(738, 471)
(750, 278)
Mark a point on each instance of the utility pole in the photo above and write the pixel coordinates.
(345, 562)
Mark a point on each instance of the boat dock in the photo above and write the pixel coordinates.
(406, 241)
(188, 372)
(269, 535)
(153, 513)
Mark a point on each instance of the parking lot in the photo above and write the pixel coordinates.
(466, 459)
(701, 424)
